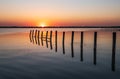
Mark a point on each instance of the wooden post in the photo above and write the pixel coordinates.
(38, 37)
(35, 33)
(72, 40)
(113, 51)
(55, 41)
(51, 40)
(42, 38)
(35, 36)
(95, 47)
(81, 46)
(47, 39)
(63, 42)
(30, 35)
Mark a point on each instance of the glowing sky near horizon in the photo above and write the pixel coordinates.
(59, 12)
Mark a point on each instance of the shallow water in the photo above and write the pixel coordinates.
(25, 54)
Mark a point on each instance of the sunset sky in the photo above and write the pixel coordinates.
(59, 12)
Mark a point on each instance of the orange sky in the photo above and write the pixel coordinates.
(59, 12)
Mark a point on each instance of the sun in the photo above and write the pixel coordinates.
(42, 25)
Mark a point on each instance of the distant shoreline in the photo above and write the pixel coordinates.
(61, 27)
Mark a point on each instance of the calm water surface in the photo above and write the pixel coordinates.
(59, 54)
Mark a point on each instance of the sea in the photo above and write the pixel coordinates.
(59, 53)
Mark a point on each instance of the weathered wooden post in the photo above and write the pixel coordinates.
(35, 36)
(55, 41)
(95, 47)
(72, 40)
(81, 46)
(42, 38)
(35, 33)
(113, 51)
(38, 37)
(51, 40)
(30, 35)
(63, 42)
(47, 39)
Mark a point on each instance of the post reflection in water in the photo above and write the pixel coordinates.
(35, 37)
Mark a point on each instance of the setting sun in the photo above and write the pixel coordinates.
(42, 25)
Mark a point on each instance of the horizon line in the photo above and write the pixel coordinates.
(60, 27)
